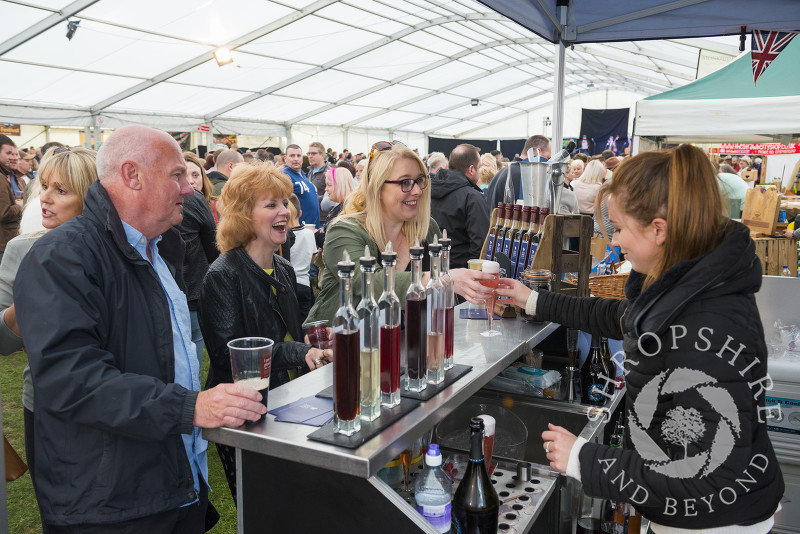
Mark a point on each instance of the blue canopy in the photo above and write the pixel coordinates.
(630, 20)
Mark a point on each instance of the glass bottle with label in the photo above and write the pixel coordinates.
(511, 231)
(525, 242)
(368, 327)
(610, 366)
(494, 232)
(501, 235)
(476, 506)
(593, 376)
(346, 364)
(389, 320)
(517, 243)
(543, 213)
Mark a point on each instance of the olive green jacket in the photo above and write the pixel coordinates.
(350, 235)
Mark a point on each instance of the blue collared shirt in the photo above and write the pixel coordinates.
(187, 368)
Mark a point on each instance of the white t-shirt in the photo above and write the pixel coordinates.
(303, 249)
(31, 217)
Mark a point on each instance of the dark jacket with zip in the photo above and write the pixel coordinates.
(237, 301)
(458, 206)
(198, 231)
(98, 334)
(700, 455)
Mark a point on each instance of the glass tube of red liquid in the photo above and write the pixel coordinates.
(449, 302)
(389, 318)
(416, 323)
(435, 323)
(346, 365)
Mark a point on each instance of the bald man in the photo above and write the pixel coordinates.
(226, 161)
(117, 438)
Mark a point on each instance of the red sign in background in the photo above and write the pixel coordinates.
(764, 149)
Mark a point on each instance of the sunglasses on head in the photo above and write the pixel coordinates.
(380, 146)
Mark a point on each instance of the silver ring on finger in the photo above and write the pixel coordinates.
(318, 362)
(547, 447)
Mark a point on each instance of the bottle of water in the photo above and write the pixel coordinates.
(433, 491)
(786, 271)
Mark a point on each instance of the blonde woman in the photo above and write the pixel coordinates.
(575, 171)
(588, 185)
(487, 168)
(392, 203)
(64, 177)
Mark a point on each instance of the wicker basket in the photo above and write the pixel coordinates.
(609, 286)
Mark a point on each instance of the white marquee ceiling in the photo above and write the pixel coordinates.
(410, 65)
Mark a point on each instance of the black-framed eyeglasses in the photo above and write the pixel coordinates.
(408, 184)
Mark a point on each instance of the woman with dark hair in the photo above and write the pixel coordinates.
(695, 362)
(250, 290)
(198, 230)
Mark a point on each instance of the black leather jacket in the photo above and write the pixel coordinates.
(198, 231)
(236, 300)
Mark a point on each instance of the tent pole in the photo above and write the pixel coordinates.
(96, 129)
(558, 89)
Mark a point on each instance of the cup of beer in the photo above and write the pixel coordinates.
(251, 363)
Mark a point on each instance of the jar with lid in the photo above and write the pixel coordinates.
(537, 280)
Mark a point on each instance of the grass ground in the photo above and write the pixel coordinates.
(23, 513)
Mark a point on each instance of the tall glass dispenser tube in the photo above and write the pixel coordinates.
(346, 368)
(389, 319)
(367, 312)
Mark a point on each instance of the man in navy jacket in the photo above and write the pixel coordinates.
(106, 327)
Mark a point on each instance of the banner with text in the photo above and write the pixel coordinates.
(764, 149)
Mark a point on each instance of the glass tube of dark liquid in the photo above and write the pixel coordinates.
(435, 323)
(346, 364)
(449, 302)
(389, 319)
(416, 323)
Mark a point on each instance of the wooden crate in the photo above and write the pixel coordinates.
(774, 253)
(551, 255)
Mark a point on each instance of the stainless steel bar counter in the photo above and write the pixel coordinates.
(487, 356)
(287, 483)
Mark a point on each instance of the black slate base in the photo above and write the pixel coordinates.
(450, 376)
(368, 428)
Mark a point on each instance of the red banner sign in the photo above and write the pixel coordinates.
(203, 128)
(764, 149)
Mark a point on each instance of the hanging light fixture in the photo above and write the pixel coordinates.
(223, 56)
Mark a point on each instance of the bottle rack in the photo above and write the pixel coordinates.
(552, 256)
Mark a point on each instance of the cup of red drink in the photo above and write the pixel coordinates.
(318, 334)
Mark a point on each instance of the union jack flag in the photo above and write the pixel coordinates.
(765, 48)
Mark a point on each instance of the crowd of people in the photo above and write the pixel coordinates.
(142, 256)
